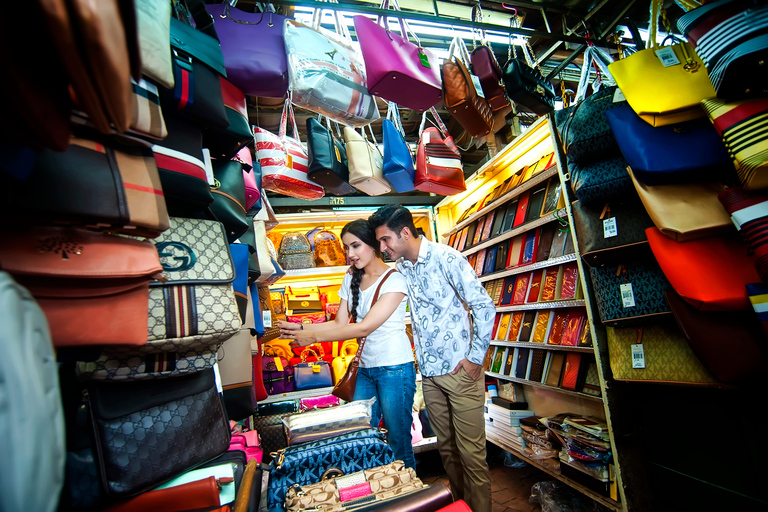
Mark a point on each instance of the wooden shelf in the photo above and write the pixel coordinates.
(542, 305)
(544, 386)
(550, 217)
(522, 269)
(552, 468)
(544, 346)
(515, 192)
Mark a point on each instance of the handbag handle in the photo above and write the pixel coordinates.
(393, 114)
(330, 473)
(440, 125)
(316, 349)
(458, 48)
(288, 111)
(338, 21)
(405, 29)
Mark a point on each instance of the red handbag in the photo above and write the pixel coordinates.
(438, 161)
(711, 274)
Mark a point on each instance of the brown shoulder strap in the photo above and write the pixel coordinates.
(378, 288)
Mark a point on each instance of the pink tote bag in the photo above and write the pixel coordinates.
(397, 69)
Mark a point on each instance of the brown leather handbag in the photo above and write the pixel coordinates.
(345, 387)
(92, 287)
(460, 94)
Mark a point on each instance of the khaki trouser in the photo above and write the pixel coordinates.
(455, 407)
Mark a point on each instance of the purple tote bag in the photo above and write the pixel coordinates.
(253, 49)
(397, 69)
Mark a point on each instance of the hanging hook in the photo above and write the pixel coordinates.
(509, 8)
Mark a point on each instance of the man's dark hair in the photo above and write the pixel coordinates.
(393, 217)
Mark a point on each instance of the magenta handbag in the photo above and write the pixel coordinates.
(252, 192)
(487, 68)
(397, 69)
(318, 402)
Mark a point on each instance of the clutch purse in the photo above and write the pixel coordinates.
(322, 423)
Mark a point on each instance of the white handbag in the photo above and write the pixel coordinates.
(366, 163)
(265, 262)
(153, 20)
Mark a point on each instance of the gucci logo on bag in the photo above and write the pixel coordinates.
(60, 245)
(176, 256)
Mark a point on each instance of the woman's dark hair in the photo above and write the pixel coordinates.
(362, 229)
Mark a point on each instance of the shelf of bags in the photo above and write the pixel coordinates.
(425, 445)
(321, 271)
(295, 395)
(552, 468)
(545, 386)
(515, 192)
(543, 305)
(545, 346)
(527, 268)
(550, 217)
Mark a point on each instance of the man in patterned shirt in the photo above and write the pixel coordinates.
(450, 347)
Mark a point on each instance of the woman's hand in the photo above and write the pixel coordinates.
(287, 329)
(293, 331)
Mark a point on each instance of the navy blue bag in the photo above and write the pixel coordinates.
(240, 254)
(398, 162)
(676, 153)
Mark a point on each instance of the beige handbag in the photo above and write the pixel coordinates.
(366, 163)
(685, 211)
(265, 262)
(153, 18)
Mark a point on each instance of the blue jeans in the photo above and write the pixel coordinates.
(394, 388)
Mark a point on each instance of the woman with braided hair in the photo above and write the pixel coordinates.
(387, 369)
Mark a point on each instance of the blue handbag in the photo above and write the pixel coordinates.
(676, 153)
(312, 375)
(240, 254)
(398, 162)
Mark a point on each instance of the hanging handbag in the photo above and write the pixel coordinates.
(326, 72)
(684, 211)
(684, 152)
(252, 185)
(327, 158)
(345, 386)
(138, 425)
(228, 192)
(284, 163)
(224, 143)
(240, 253)
(83, 278)
(720, 265)
(597, 182)
(438, 160)
(397, 158)
(261, 69)
(154, 26)
(397, 69)
(311, 375)
(739, 124)
(249, 239)
(324, 423)
(96, 184)
(460, 96)
(366, 163)
(236, 370)
(487, 68)
(749, 214)
(647, 77)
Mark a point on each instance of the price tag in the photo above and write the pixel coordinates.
(610, 228)
(266, 317)
(638, 356)
(424, 59)
(667, 56)
(208, 167)
(627, 297)
(618, 96)
(478, 87)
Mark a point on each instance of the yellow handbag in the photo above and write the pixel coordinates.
(278, 347)
(663, 84)
(341, 362)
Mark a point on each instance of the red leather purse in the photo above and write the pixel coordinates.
(200, 494)
(438, 161)
(92, 287)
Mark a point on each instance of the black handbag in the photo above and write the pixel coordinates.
(229, 198)
(527, 87)
(249, 238)
(148, 432)
(595, 183)
(327, 159)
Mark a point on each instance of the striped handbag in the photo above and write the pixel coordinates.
(438, 160)
(284, 162)
(741, 125)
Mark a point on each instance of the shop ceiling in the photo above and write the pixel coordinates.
(557, 30)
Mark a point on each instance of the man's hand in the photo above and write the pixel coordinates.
(472, 369)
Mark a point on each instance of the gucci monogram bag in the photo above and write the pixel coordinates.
(196, 306)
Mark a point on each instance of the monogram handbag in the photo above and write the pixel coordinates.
(84, 278)
(328, 250)
(322, 423)
(195, 306)
(112, 186)
(346, 491)
(305, 463)
(438, 160)
(630, 293)
(366, 163)
(128, 363)
(461, 98)
(327, 158)
(295, 251)
(398, 161)
(594, 183)
(138, 425)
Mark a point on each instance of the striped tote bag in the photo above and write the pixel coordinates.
(743, 125)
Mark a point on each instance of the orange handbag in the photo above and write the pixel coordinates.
(711, 274)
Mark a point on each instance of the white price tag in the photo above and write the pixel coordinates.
(266, 317)
(208, 166)
(478, 87)
(667, 56)
(217, 378)
(638, 356)
(618, 96)
(610, 228)
(627, 297)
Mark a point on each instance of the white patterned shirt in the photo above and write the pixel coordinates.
(440, 322)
